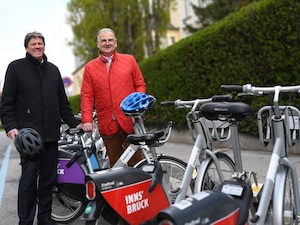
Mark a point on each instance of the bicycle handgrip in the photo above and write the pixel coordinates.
(236, 88)
(166, 103)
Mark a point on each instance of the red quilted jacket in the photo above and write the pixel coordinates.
(107, 89)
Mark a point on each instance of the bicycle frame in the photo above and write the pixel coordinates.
(139, 128)
(202, 145)
(279, 134)
(240, 192)
(279, 159)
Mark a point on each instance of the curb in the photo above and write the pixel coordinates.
(247, 142)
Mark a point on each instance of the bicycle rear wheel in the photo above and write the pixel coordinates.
(284, 202)
(174, 169)
(65, 207)
(211, 179)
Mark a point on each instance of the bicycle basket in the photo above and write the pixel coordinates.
(292, 124)
(216, 130)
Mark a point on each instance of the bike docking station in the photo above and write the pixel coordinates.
(129, 193)
(206, 207)
(227, 206)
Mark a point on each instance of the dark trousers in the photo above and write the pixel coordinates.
(36, 186)
(116, 145)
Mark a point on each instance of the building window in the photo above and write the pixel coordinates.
(187, 6)
(204, 3)
(172, 39)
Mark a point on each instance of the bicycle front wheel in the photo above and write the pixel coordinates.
(174, 169)
(283, 199)
(211, 179)
(65, 208)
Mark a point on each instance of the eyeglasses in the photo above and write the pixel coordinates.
(104, 41)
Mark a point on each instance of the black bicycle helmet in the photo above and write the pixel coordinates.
(29, 144)
(135, 102)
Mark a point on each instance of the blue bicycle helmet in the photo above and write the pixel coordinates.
(135, 102)
(29, 144)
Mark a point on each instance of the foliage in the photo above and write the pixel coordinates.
(214, 11)
(75, 103)
(257, 45)
(133, 21)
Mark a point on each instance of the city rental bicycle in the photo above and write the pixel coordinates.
(120, 193)
(80, 155)
(229, 201)
(206, 168)
(277, 201)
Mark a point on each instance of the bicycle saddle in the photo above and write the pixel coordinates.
(226, 110)
(149, 139)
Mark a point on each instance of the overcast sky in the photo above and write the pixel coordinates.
(18, 17)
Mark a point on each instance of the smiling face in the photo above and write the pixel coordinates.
(36, 48)
(107, 43)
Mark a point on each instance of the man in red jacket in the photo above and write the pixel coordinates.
(107, 80)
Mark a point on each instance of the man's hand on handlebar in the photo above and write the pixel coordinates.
(88, 127)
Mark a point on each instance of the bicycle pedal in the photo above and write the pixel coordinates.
(256, 189)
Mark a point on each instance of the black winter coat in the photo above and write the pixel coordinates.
(34, 96)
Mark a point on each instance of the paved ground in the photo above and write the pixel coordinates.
(253, 160)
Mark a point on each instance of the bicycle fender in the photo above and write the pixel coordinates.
(117, 177)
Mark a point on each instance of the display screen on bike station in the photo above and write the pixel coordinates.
(232, 189)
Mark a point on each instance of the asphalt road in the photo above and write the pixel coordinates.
(9, 158)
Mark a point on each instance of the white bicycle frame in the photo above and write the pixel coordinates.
(148, 153)
(202, 144)
(276, 173)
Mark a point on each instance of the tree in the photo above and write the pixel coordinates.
(214, 10)
(139, 25)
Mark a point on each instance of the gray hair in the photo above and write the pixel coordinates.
(31, 35)
(106, 29)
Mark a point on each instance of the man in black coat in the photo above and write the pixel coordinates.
(34, 97)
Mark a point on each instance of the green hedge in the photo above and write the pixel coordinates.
(257, 45)
(75, 103)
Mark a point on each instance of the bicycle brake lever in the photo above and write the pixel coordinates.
(169, 128)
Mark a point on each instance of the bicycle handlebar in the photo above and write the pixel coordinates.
(196, 102)
(166, 103)
(250, 89)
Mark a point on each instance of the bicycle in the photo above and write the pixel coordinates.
(167, 167)
(276, 201)
(68, 206)
(103, 187)
(82, 155)
(230, 200)
(206, 168)
(69, 192)
(279, 201)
